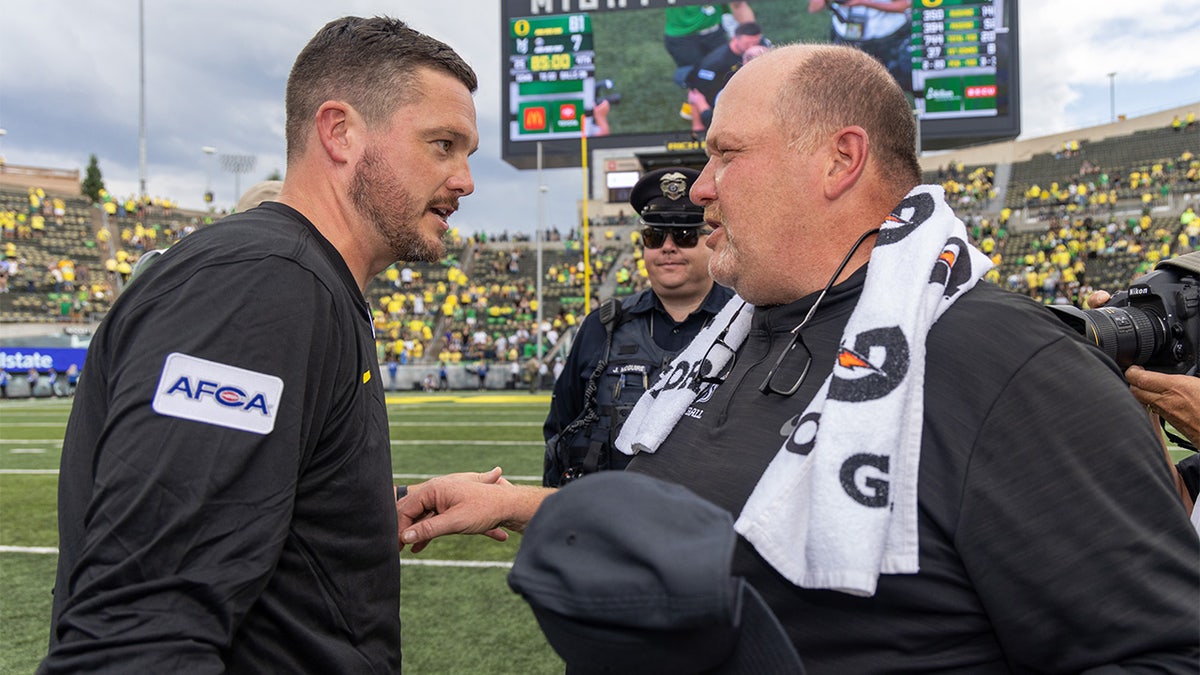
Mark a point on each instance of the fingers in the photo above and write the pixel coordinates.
(1147, 389)
(465, 503)
(1147, 386)
(455, 504)
(492, 475)
(1176, 398)
(421, 532)
(1098, 299)
(499, 534)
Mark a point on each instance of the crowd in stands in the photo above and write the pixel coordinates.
(70, 258)
(1096, 190)
(1093, 216)
(489, 313)
(1072, 257)
(969, 190)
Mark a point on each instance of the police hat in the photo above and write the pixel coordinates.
(661, 198)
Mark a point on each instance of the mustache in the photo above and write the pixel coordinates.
(446, 204)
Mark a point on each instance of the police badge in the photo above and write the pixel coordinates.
(674, 185)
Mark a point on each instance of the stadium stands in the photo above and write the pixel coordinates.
(1102, 212)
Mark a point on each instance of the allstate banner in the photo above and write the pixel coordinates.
(41, 358)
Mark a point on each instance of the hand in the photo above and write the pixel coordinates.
(465, 503)
(405, 501)
(1176, 398)
(1097, 299)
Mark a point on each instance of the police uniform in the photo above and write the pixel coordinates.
(644, 339)
(227, 450)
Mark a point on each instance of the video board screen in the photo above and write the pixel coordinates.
(632, 71)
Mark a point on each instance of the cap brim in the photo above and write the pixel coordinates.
(670, 218)
(763, 645)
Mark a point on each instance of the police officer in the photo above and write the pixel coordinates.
(622, 346)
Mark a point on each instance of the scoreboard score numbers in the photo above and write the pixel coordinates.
(954, 58)
(560, 58)
(551, 75)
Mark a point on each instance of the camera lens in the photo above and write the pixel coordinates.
(1131, 336)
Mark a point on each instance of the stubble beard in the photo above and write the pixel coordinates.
(722, 265)
(392, 211)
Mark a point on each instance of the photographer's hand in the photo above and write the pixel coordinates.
(1097, 299)
(1174, 397)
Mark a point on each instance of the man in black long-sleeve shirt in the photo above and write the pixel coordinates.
(225, 497)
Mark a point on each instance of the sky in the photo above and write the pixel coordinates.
(216, 71)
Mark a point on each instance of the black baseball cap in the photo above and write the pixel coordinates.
(661, 198)
(628, 574)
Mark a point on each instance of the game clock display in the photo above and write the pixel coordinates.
(954, 53)
(567, 64)
(551, 80)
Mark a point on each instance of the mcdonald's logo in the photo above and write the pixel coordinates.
(534, 119)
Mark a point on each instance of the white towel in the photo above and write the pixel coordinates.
(845, 511)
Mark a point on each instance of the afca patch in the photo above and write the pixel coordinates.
(205, 391)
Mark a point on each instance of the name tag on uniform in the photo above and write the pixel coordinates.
(214, 393)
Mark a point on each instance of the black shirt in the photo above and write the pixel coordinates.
(1051, 539)
(225, 499)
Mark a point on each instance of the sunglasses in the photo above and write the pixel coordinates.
(684, 237)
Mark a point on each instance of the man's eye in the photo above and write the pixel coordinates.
(445, 145)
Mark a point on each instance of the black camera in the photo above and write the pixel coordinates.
(1154, 324)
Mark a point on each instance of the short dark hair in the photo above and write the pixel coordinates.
(369, 63)
(835, 86)
(748, 28)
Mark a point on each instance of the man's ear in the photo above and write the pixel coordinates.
(848, 158)
(336, 122)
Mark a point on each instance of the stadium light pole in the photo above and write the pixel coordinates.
(1112, 96)
(542, 190)
(142, 97)
(210, 151)
(238, 165)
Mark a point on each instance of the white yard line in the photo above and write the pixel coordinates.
(417, 562)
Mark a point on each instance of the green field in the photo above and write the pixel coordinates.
(456, 618)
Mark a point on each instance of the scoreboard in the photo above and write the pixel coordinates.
(954, 54)
(551, 75)
(560, 59)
